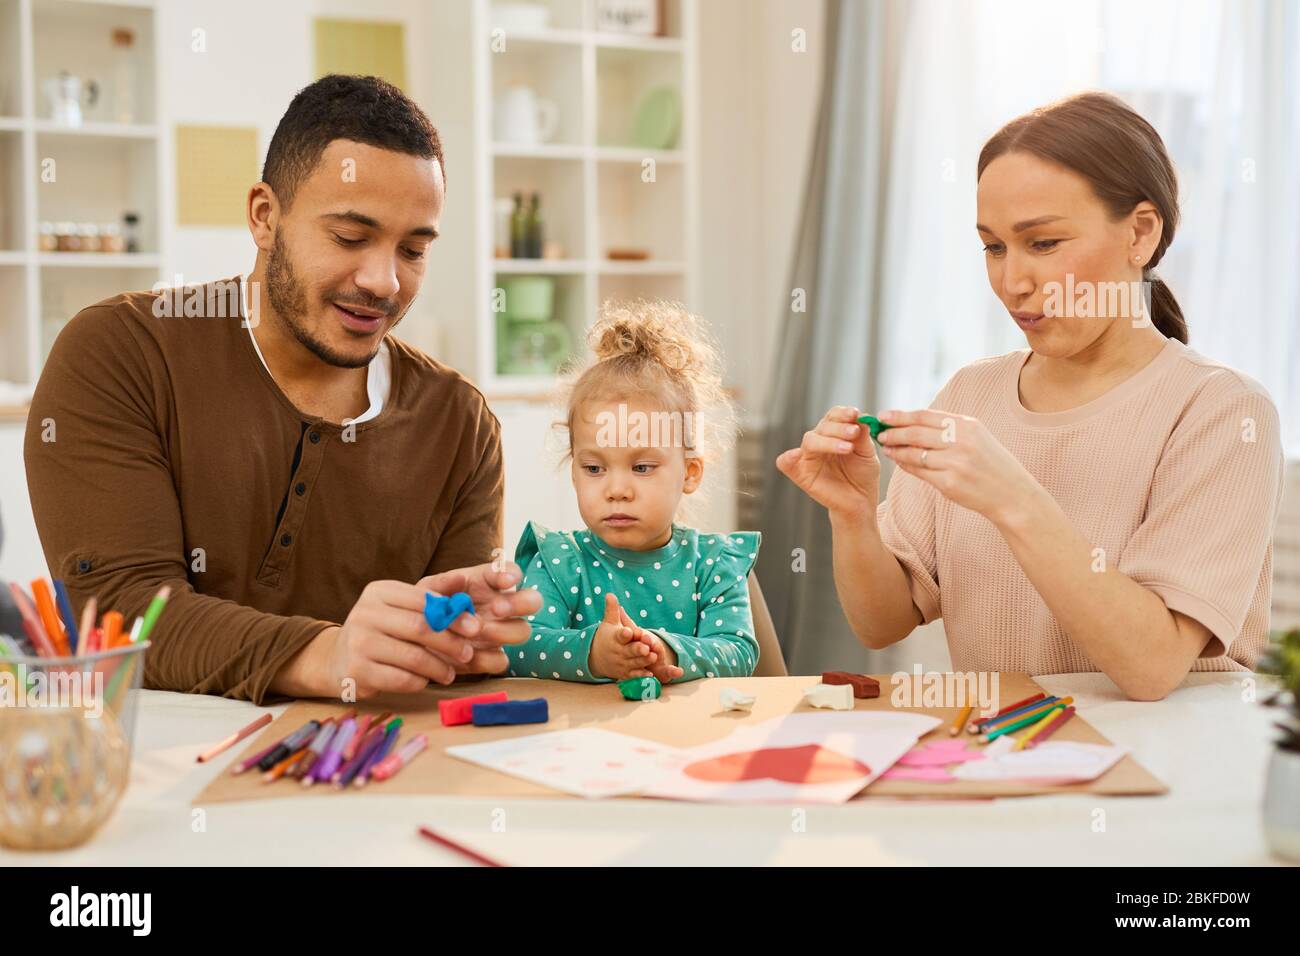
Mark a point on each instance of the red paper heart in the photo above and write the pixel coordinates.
(810, 763)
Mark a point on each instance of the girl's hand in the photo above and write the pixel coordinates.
(615, 651)
(836, 465)
(962, 460)
(665, 667)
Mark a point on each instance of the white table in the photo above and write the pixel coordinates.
(1205, 741)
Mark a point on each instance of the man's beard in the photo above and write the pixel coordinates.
(289, 301)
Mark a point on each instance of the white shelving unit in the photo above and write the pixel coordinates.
(102, 169)
(589, 175)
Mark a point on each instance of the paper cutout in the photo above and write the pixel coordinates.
(805, 764)
(1050, 762)
(215, 166)
(939, 753)
(774, 752)
(922, 774)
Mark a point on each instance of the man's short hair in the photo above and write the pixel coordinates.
(364, 109)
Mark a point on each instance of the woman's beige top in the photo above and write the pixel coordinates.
(1175, 475)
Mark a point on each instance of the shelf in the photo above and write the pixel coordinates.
(100, 260)
(638, 267)
(590, 178)
(635, 154)
(110, 130)
(542, 151)
(633, 42)
(14, 257)
(551, 36)
(547, 266)
(12, 124)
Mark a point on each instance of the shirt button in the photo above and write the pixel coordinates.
(300, 488)
(286, 539)
(315, 438)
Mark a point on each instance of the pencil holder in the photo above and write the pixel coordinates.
(66, 727)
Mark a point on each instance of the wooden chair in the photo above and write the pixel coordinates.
(771, 662)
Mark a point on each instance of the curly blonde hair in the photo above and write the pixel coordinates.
(658, 350)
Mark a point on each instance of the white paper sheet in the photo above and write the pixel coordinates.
(1053, 761)
(800, 758)
(588, 762)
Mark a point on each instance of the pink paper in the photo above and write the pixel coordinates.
(939, 753)
(926, 774)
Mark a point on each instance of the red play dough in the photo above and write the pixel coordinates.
(809, 763)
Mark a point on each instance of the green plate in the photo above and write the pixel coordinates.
(658, 119)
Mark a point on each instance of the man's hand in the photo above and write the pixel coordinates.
(499, 611)
(385, 645)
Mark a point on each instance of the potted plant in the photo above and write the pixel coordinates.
(1282, 791)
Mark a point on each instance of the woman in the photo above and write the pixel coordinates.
(1103, 500)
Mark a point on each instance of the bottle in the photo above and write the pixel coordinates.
(123, 76)
(518, 236)
(534, 227)
(132, 231)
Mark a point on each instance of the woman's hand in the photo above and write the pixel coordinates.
(959, 457)
(836, 465)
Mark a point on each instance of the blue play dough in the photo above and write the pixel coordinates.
(441, 611)
(510, 712)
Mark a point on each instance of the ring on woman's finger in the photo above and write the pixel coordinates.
(924, 455)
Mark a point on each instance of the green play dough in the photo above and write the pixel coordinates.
(874, 425)
(641, 688)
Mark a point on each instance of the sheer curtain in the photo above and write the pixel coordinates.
(1220, 81)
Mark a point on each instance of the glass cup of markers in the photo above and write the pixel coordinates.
(67, 718)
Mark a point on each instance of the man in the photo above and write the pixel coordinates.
(298, 476)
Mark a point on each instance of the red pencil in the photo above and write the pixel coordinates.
(457, 848)
(1007, 709)
(43, 646)
(234, 738)
(1050, 729)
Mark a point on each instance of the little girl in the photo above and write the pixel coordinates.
(634, 594)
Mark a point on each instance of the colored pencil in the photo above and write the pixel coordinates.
(1046, 718)
(333, 755)
(359, 738)
(65, 614)
(49, 617)
(112, 631)
(373, 741)
(1048, 729)
(1036, 707)
(296, 741)
(1023, 721)
(458, 848)
(86, 632)
(151, 615)
(279, 770)
(1005, 710)
(391, 764)
(318, 745)
(223, 745)
(41, 642)
(391, 731)
(960, 722)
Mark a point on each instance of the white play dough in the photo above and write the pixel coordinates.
(830, 696)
